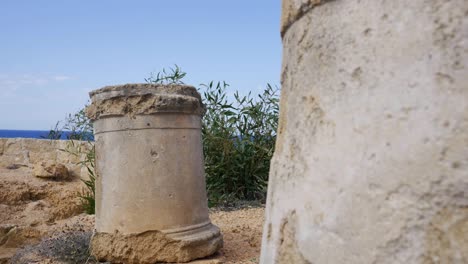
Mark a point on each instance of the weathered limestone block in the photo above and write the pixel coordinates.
(42, 150)
(151, 200)
(51, 170)
(14, 153)
(371, 161)
(154, 246)
(73, 161)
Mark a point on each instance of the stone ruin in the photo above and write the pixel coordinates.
(371, 159)
(151, 202)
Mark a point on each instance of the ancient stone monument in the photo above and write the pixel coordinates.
(371, 161)
(151, 201)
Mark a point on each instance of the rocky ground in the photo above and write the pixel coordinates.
(32, 208)
(41, 221)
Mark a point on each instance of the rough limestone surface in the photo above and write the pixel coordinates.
(371, 161)
(143, 99)
(151, 202)
(49, 170)
(294, 9)
(153, 247)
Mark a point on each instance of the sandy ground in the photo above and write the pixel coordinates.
(242, 233)
(32, 209)
(241, 229)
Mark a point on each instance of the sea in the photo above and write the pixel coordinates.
(30, 134)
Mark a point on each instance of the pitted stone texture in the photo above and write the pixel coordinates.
(154, 247)
(144, 99)
(372, 153)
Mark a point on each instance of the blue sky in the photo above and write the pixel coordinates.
(52, 53)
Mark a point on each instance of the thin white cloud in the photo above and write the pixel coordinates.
(11, 83)
(61, 78)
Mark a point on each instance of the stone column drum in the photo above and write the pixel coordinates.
(371, 159)
(151, 203)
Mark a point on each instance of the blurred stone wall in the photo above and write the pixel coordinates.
(30, 152)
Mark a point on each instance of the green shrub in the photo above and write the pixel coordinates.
(54, 133)
(238, 142)
(79, 128)
(87, 194)
(175, 76)
(76, 126)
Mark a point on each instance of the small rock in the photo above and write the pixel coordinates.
(51, 170)
(6, 231)
(13, 166)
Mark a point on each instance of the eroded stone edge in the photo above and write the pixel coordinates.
(151, 247)
(288, 249)
(293, 10)
(144, 104)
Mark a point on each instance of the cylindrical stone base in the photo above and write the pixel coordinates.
(151, 203)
